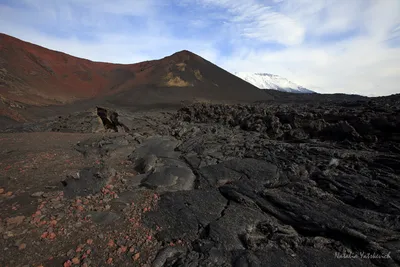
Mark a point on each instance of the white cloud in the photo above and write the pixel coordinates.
(363, 64)
(324, 16)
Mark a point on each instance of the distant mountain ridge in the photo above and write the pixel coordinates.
(272, 81)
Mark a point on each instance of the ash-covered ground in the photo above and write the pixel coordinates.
(209, 185)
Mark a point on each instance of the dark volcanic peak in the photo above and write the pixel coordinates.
(183, 53)
(34, 75)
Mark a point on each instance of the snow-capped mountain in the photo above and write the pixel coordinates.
(271, 81)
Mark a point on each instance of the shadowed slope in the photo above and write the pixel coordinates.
(185, 76)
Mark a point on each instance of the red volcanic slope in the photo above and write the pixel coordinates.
(35, 75)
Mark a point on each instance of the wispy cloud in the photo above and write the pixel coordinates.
(259, 22)
(326, 45)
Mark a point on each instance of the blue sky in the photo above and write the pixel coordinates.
(350, 46)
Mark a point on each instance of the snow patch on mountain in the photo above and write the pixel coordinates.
(271, 81)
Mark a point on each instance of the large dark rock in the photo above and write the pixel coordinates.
(260, 172)
(340, 131)
(161, 147)
(87, 181)
(170, 178)
(160, 166)
(109, 118)
(186, 214)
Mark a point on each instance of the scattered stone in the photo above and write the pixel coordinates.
(122, 249)
(70, 253)
(44, 235)
(334, 162)
(51, 187)
(75, 261)
(57, 206)
(15, 220)
(136, 256)
(111, 243)
(37, 194)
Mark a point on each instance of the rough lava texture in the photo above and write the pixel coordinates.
(264, 184)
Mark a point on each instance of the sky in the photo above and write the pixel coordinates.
(329, 46)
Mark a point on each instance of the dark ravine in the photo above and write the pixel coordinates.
(238, 185)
